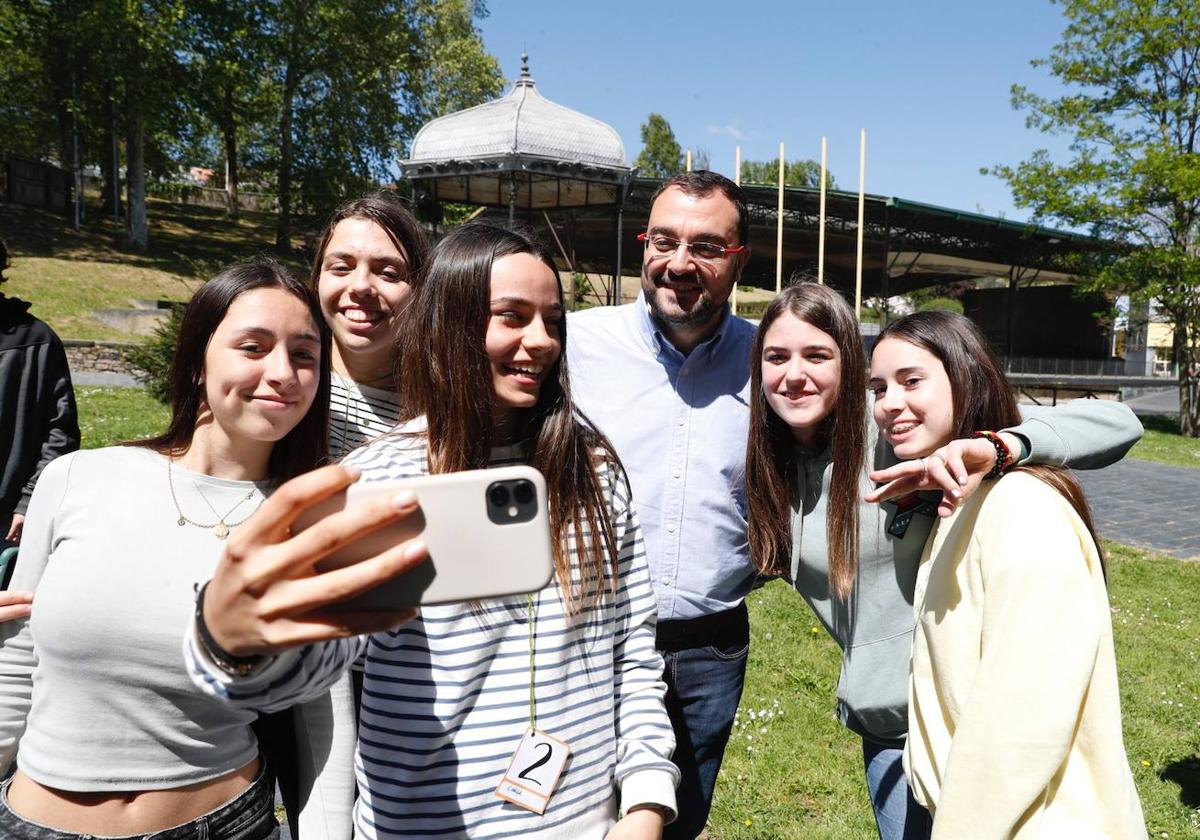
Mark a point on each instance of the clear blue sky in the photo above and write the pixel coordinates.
(929, 81)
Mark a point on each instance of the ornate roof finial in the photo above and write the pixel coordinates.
(524, 65)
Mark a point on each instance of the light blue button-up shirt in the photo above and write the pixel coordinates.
(679, 425)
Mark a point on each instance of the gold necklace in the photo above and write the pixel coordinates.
(220, 528)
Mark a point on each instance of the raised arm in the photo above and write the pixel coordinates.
(267, 597)
(1082, 434)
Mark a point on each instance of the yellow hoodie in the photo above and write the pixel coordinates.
(1014, 713)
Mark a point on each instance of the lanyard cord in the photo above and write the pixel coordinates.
(532, 694)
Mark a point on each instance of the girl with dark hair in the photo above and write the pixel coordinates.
(1014, 712)
(855, 562)
(448, 696)
(114, 740)
(368, 262)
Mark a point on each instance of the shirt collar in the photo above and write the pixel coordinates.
(653, 335)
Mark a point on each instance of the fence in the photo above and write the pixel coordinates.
(35, 184)
(212, 197)
(1089, 367)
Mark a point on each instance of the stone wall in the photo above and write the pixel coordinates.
(98, 356)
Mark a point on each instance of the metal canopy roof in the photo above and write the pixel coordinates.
(908, 245)
(520, 150)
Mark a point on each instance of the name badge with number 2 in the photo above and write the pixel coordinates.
(534, 771)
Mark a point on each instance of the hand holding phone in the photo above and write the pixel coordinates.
(268, 592)
(487, 533)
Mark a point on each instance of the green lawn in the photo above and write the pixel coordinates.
(792, 771)
(1163, 443)
(111, 415)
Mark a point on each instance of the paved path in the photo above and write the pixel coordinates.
(1148, 505)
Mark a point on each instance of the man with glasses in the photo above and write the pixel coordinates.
(666, 378)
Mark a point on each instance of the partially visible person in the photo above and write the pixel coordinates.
(38, 420)
(369, 259)
(1014, 709)
(855, 562)
(448, 696)
(109, 735)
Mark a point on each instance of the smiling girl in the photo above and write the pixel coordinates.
(1014, 711)
(855, 562)
(447, 697)
(110, 738)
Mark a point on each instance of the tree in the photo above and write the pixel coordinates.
(661, 155)
(1132, 72)
(356, 79)
(796, 173)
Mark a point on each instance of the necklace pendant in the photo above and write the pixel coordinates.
(221, 530)
(181, 521)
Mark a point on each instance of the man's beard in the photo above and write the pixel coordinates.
(702, 312)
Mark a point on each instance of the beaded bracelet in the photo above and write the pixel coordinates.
(1004, 457)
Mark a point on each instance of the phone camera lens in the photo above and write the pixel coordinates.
(498, 495)
(523, 492)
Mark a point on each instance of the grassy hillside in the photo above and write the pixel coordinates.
(67, 273)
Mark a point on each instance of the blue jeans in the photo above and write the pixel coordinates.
(248, 816)
(897, 815)
(704, 673)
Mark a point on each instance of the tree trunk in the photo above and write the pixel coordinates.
(283, 230)
(137, 234)
(1188, 360)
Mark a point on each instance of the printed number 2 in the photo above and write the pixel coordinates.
(524, 774)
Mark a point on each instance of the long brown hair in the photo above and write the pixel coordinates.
(981, 395)
(304, 447)
(397, 222)
(447, 378)
(771, 453)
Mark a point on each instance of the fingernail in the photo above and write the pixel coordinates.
(962, 479)
(415, 550)
(955, 493)
(353, 471)
(404, 499)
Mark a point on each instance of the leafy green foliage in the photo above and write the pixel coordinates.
(1132, 71)
(796, 173)
(661, 155)
(153, 356)
(112, 415)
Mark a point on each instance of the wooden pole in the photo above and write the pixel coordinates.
(862, 175)
(737, 179)
(689, 160)
(779, 228)
(821, 217)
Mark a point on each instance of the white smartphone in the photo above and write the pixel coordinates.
(488, 533)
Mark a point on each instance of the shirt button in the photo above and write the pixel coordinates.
(666, 581)
(675, 474)
(679, 422)
(671, 527)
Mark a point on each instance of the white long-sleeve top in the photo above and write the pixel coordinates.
(1014, 712)
(446, 697)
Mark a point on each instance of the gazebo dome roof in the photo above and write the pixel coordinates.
(520, 123)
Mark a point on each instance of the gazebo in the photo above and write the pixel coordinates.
(524, 153)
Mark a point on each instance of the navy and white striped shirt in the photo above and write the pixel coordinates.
(446, 697)
(358, 414)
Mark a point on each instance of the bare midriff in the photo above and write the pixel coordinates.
(124, 812)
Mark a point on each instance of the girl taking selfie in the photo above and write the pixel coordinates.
(449, 696)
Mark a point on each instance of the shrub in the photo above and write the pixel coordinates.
(943, 303)
(153, 356)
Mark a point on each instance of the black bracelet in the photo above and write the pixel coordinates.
(235, 666)
(1003, 455)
